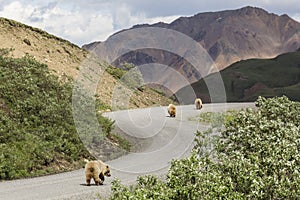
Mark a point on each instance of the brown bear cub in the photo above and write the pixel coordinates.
(96, 169)
(172, 110)
(198, 103)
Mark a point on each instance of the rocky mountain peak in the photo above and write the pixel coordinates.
(228, 36)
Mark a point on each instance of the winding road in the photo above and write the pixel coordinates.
(166, 139)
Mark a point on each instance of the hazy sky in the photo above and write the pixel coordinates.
(82, 22)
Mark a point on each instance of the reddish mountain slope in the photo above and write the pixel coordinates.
(228, 36)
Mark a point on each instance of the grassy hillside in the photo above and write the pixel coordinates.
(64, 58)
(248, 79)
(60, 55)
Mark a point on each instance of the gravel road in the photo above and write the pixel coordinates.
(166, 139)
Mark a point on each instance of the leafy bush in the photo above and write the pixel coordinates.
(256, 157)
(129, 76)
(148, 187)
(261, 149)
(216, 119)
(115, 72)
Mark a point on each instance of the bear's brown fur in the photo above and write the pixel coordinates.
(198, 103)
(96, 169)
(172, 110)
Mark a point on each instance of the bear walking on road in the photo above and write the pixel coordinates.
(198, 103)
(172, 110)
(96, 169)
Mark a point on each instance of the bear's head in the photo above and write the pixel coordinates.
(105, 172)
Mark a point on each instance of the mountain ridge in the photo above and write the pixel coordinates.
(210, 29)
(228, 36)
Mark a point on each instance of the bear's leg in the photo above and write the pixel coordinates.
(101, 176)
(88, 180)
(98, 181)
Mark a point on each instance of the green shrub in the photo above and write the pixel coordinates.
(148, 187)
(115, 72)
(215, 119)
(129, 76)
(261, 150)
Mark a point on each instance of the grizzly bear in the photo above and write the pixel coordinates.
(172, 110)
(96, 169)
(198, 103)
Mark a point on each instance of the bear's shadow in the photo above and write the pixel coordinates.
(169, 116)
(83, 184)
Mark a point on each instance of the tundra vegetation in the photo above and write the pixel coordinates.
(256, 156)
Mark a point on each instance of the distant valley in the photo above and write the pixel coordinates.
(247, 79)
